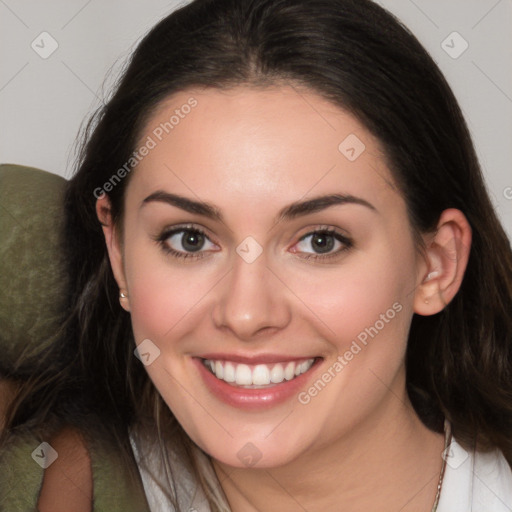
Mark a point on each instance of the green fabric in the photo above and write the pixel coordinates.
(31, 280)
(20, 476)
(32, 287)
(115, 489)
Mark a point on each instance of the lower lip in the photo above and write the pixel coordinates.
(253, 399)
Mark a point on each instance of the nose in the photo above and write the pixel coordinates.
(252, 300)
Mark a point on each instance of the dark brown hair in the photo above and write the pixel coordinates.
(361, 58)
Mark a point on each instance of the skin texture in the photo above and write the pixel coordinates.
(67, 483)
(251, 153)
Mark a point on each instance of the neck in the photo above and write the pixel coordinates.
(389, 462)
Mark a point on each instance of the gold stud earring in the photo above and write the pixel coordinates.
(426, 301)
(122, 295)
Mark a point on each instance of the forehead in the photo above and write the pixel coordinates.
(262, 147)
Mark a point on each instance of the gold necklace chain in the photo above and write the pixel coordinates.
(447, 442)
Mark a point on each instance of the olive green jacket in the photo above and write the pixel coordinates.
(21, 477)
(31, 290)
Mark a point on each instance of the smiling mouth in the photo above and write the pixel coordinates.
(257, 376)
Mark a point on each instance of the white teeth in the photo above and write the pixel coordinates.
(243, 375)
(229, 372)
(219, 370)
(277, 374)
(289, 371)
(261, 376)
(304, 367)
(258, 375)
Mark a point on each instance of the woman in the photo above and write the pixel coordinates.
(282, 209)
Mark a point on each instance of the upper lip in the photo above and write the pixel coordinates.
(255, 359)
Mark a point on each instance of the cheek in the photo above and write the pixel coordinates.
(364, 312)
(162, 293)
(366, 291)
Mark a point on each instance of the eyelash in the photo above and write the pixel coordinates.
(346, 242)
(166, 234)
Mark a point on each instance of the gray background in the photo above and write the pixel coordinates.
(43, 101)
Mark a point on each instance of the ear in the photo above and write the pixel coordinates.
(445, 261)
(114, 247)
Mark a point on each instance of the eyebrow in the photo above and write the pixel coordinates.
(292, 211)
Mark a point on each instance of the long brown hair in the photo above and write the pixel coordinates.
(361, 58)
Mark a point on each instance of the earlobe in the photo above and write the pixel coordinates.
(103, 211)
(446, 258)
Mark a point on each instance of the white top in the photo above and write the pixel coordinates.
(473, 482)
(190, 495)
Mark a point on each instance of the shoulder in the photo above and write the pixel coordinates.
(67, 482)
(493, 481)
(186, 491)
(475, 480)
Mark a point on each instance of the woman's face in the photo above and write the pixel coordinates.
(303, 254)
